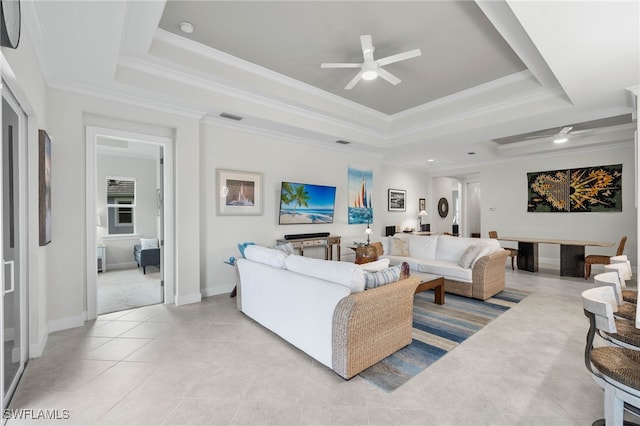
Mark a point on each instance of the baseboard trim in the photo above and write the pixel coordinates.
(214, 291)
(37, 349)
(191, 298)
(66, 323)
(118, 266)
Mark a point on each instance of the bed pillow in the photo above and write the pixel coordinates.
(266, 255)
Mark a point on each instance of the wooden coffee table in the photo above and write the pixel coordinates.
(430, 282)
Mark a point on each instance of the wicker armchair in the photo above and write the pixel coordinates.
(597, 259)
(513, 253)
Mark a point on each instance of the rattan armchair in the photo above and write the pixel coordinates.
(598, 259)
(513, 253)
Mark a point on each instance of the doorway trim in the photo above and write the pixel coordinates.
(92, 135)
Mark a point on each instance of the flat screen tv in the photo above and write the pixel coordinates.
(305, 203)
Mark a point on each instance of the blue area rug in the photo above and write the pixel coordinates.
(436, 330)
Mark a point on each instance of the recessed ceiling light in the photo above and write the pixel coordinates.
(431, 160)
(186, 27)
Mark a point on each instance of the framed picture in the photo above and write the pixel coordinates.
(44, 187)
(239, 193)
(397, 198)
(422, 204)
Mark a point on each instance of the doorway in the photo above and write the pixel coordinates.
(129, 230)
(129, 221)
(14, 321)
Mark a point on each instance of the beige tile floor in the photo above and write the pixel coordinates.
(208, 364)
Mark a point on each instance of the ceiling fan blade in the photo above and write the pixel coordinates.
(354, 81)
(565, 130)
(388, 76)
(399, 57)
(367, 47)
(339, 65)
(540, 136)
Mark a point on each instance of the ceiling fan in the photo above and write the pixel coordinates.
(371, 68)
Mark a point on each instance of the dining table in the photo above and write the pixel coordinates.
(571, 253)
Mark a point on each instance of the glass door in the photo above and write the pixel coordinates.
(13, 319)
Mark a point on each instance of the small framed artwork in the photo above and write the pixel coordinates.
(238, 193)
(422, 204)
(397, 198)
(44, 187)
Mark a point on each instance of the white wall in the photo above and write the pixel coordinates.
(143, 171)
(280, 160)
(504, 188)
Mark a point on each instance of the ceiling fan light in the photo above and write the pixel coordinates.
(369, 75)
(561, 139)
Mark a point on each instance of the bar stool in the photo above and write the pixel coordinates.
(628, 295)
(615, 369)
(625, 310)
(622, 269)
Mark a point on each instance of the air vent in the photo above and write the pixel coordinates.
(342, 142)
(231, 116)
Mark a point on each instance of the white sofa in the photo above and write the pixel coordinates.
(481, 278)
(343, 328)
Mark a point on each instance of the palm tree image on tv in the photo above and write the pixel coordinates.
(304, 203)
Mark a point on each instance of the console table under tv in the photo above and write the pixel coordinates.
(327, 242)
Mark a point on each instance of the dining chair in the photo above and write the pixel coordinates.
(625, 310)
(615, 369)
(513, 253)
(598, 259)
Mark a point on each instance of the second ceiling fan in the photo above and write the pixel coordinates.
(372, 68)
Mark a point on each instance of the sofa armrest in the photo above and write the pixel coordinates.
(150, 256)
(370, 325)
(488, 275)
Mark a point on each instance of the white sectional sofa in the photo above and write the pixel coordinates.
(322, 308)
(480, 275)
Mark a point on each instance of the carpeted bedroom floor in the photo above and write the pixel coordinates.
(122, 289)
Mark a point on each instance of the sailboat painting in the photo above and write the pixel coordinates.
(239, 193)
(360, 201)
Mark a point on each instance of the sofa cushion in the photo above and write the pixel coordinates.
(347, 274)
(148, 243)
(376, 265)
(423, 246)
(382, 277)
(468, 256)
(447, 269)
(266, 255)
(398, 246)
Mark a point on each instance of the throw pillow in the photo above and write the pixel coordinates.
(468, 256)
(243, 246)
(148, 243)
(483, 250)
(287, 248)
(266, 255)
(399, 247)
(377, 265)
(383, 277)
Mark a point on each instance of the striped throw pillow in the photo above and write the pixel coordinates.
(380, 278)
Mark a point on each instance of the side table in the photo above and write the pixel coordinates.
(232, 262)
(101, 255)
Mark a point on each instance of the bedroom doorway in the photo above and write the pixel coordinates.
(132, 260)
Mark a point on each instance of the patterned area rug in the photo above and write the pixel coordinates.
(436, 330)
